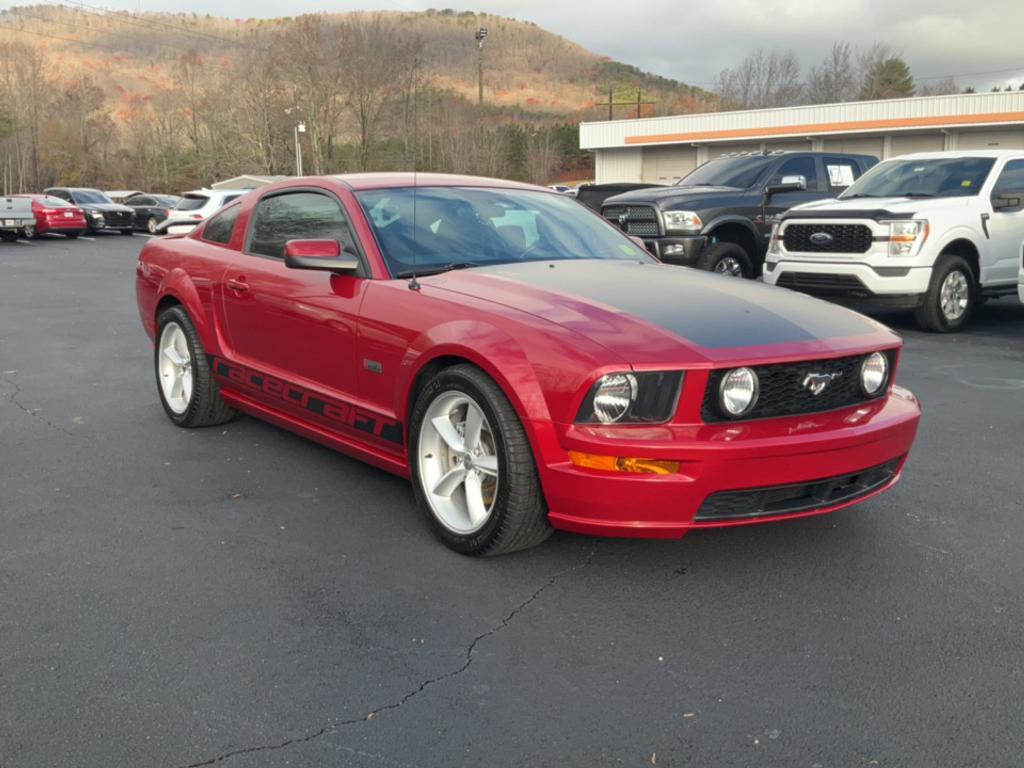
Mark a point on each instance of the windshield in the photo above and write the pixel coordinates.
(932, 177)
(93, 196)
(53, 202)
(191, 203)
(468, 227)
(738, 172)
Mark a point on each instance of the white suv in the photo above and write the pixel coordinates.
(938, 232)
(196, 206)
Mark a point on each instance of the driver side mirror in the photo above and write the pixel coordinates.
(326, 255)
(1009, 200)
(787, 184)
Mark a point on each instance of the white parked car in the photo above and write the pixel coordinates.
(195, 206)
(937, 232)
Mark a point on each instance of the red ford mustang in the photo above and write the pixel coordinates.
(523, 362)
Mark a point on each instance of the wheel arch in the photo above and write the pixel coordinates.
(739, 232)
(178, 289)
(967, 250)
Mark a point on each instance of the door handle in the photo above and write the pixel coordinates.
(238, 284)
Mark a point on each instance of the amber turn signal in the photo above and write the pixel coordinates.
(623, 464)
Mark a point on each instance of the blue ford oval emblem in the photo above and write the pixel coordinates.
(821, 238)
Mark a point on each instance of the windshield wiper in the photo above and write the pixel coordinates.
(854, 197)
(917, 194)
(435, 269)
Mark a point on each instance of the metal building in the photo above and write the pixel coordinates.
(661, 150)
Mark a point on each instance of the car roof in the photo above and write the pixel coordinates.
(360, 181)
(954, 153)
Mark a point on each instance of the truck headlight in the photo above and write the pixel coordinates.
(648, 397)
(774, 242)
(682, 221)
(906, 237)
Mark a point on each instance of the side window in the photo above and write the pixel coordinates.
(140, 201)
(841, 172)
(229, 199)
(802, 165)
(297, 216)
(221, 226)
(1011, 179)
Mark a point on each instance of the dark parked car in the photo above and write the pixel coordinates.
(151, 210)
(100, 211)
(594, 195)
(720, 216)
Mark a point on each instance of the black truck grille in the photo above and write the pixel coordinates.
(842, 238)
(639, 220)
(782, 391)
(791, 499)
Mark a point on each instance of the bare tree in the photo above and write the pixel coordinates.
(945, 87)
(763, 79)
(835, 79)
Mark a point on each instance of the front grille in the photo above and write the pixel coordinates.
(845, 238)
(117, 218)
(823, 285)
(782, 391)
(802, 497)
(639, 220)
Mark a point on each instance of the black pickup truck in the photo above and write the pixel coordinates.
(720, 216)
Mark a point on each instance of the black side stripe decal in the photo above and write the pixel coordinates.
(333, 413)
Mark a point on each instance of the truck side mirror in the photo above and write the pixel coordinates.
(1008, 200)
(787, 184)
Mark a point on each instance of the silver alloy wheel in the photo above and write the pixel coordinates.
(458, 462)
(729, 266)
(954, 295)
(174, 367)
(151, 225)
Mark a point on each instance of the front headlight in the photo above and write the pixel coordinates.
(774, 241)
(632, 398)
(874, 372)
(906, 237)
(682, 221)
(737, 394)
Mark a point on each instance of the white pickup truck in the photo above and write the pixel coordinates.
(17, 219)
(938, 232)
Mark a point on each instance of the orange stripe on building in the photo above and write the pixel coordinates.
(818, 128)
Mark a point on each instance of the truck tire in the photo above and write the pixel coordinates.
(8, 237)
(951, 296)
(726, 259)
(480, 494)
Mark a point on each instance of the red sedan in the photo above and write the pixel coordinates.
(523, 362)
(57, 216)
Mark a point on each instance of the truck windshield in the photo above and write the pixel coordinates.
(457, 227)
(930, 177)
(739, 172)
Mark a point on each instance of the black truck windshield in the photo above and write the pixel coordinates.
(458, 227)
(930, 177)
(86, 196)
(739, 172)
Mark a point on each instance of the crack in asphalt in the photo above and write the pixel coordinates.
(332, 727)
(13, 397)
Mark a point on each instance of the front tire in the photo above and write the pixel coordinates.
(726, 259)
(473, 470)
(951, 296)
(188, 392)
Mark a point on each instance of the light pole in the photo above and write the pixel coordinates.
(300, 127)
(480, 36)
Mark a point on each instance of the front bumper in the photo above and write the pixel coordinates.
(683, 250)
(895, 286)
(829, 450)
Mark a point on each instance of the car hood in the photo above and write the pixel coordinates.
(105, 207)
(669, 196)
(650, 313)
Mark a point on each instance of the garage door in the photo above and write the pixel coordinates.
(1004, 139)
(666, 165)
(858, 146)
(788, 146)
(907, 144)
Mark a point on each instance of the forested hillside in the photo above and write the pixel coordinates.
(167, 101)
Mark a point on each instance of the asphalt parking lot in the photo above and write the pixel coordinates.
(239, 596)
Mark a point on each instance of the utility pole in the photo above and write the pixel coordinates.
(300, 127)
(481, 35)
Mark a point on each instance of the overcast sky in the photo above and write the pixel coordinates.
(692, 41)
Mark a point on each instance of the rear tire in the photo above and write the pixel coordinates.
(152, 224)
(128, 232)
(951, 296)
(8, 237)
(179, 350)
(498, 467)
(72, 235)
(726, 259)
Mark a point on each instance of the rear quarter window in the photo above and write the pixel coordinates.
(221, 227)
